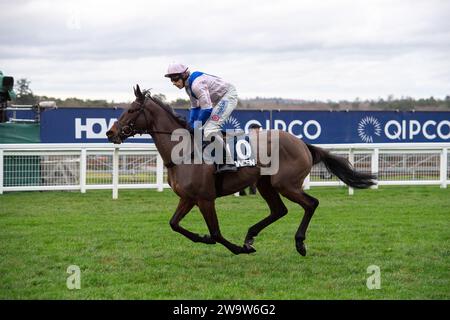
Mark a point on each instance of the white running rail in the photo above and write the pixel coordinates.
(39, 167)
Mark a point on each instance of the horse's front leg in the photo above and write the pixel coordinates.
(184, 206)
(208, 211)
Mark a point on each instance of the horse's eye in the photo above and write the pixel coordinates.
(130, 111)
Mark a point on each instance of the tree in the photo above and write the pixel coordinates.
(356, 103)
(181, 103)
(24, 93)
(160, 97)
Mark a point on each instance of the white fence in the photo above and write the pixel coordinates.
(28, 167)
(32, 167)
(394, 164)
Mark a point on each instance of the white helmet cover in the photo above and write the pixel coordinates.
(175, 68)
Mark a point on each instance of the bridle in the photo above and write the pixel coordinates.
(129, 130)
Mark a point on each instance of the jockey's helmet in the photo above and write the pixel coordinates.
(176, 69)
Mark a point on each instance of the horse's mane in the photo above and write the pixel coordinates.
(178, 118)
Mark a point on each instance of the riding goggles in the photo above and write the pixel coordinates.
(175, 77)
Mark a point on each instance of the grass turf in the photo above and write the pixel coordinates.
(126, 249)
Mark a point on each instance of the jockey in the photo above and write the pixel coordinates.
(212, 101)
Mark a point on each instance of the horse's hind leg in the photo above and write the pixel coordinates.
(309, 204)
(276, 205)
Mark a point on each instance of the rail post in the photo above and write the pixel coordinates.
(375, 163)
(1, 171)
(159, 173)
(443, 171)
(115, 173)
(351, 159)
(83, 168)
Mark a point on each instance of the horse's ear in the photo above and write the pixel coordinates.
(138, 93)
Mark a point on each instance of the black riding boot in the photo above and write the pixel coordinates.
(226, 167)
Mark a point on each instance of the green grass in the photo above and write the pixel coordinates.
(126, 249)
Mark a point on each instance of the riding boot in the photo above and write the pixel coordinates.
(228, 165)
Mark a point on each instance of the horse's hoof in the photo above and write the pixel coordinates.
(248, 248)
(208, 240)
(301, 248)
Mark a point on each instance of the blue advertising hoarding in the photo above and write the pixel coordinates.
(364, 126)
(89, 125)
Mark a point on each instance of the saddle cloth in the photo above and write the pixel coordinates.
(241, 151)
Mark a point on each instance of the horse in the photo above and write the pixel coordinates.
(198, 185)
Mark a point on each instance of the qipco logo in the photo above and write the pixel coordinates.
(309, 129)
(408, 129)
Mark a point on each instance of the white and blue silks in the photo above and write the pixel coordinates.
(212, 101)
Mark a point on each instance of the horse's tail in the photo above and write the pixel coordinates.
(342, 168)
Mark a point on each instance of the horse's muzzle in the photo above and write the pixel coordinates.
(113, 137)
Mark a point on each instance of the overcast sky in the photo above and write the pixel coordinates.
(291, 49)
